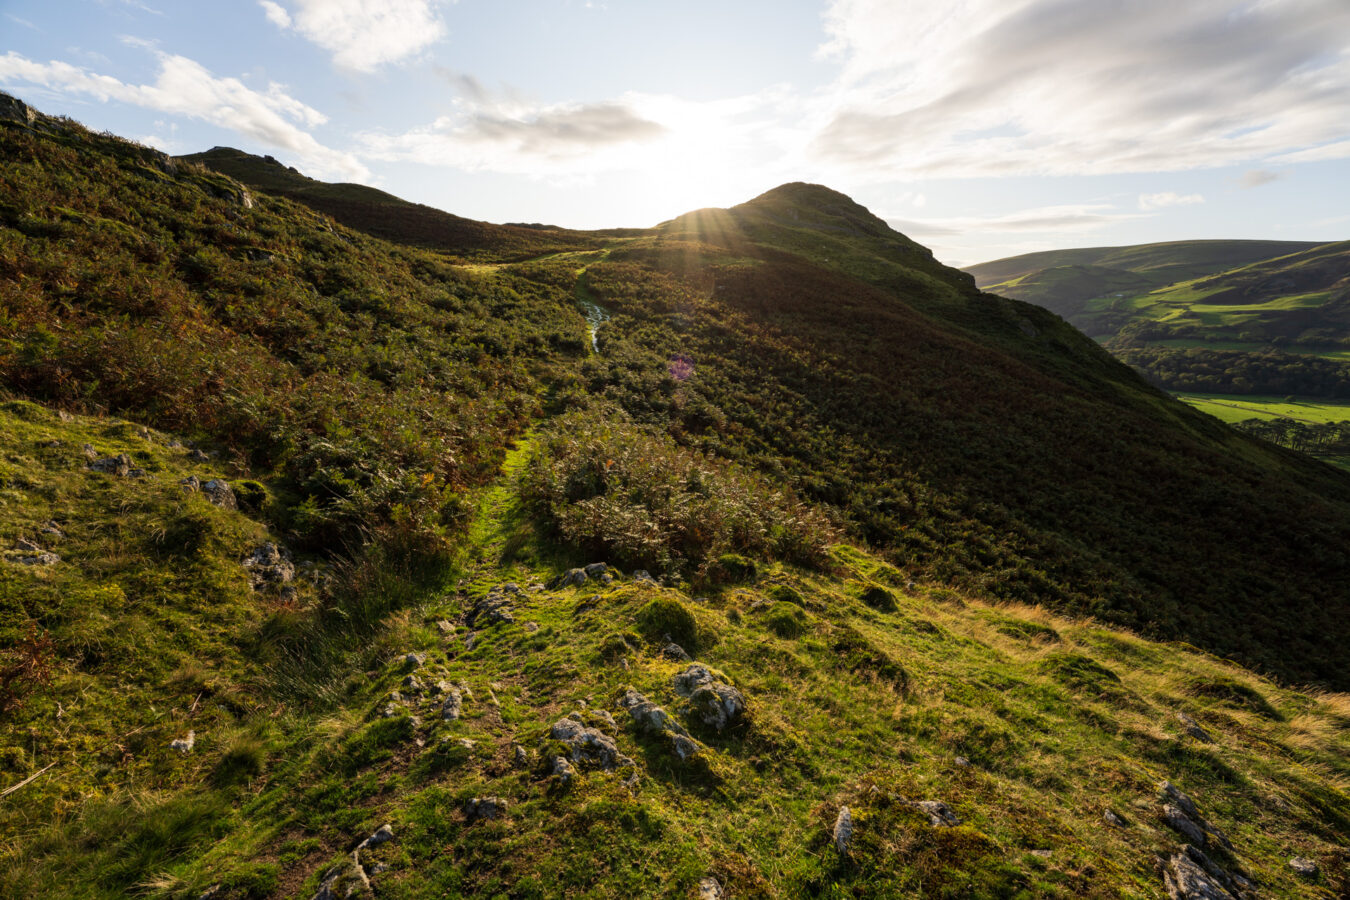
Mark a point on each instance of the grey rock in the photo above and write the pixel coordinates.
(453, 706)
(89, 451)
(595, 570)
(562, 770)
(649, 717)
(940, 815)
(510, 588)
(644, 576)
(191, 484)
(709, 889)
(184, 744)
(1042, 854)
(843, 829)
(1184, 879)
(12, 109)
(269, 564)
(1306, 868)
(1111, 817)
(485, 809)
(52, 529)
(1176, 819)
(41, 558)
(219, 492)
(412, 684)
(521, 756)
(345, 880)
(590, 747)
(569, 578)
(491, 610)
(531, 627)
(962, 762)
(440, 687)
(714, 702)
(674, 651)
(383, 834)
(1193, 728)
(445, 628)
(198, 456)
(414, 660)
(119, 465)
(23, 545)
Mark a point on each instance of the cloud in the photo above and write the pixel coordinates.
(184, 87)
(931, 88)
(488, 133)
(1071, 217)
(1258, 177)
(1168, 198)
(362, 34)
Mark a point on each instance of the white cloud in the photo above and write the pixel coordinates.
(932, 88)
(1068, 217)
(1168, 198)
(1257, 177)
(362, 34)
(184, 87)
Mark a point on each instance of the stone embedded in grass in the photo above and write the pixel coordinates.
(1305, 868)
(652, 719)
(218, 492)
(119, 465)
(383, 834)
(453, 706)
(843, 829)
(562, 770)
(940, 815)
(675, 652)
(590, 747)
(269, 564)
(485, 809)
(709, 889)
(568, 579)
(185, 744)
(493, 609)
(414, 660)
(1193, 728)
(1111, 817)
(346, 879)
(1192, 875)
(595, 570)
(716, 703)
(1181, 814)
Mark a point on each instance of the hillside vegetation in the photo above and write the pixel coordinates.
(343, 567)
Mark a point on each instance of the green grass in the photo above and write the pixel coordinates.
(1239, 407)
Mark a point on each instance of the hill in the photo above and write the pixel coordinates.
(1064, 280)
(281, 501)
(386, 216)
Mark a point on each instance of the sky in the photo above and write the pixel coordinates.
(980, 128)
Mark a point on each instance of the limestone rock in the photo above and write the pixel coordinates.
(568, 579)
(219, 492)
(492, 609)
(1180, 813)
(184, 745)
(674, 651)
(382, 835)
(1190, 875)
(485, 808)
(715, 703)
(709, 889)
(843, 829)
(1111, 817)
(940, 815)
(1193, 728)
(1304, 867)
(453, 706)
(595, 570)
(119, 465)
(590, 747)
(345, 880)
(269, 564)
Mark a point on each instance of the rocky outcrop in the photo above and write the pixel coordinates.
(843, 829)
(652, 719)
(713, 702)
(589, 748)
(269, 564)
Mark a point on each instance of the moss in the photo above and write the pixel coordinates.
(787, 620)
(878, 598)
(666, 618)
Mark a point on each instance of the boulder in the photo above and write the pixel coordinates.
(1305, 868)
(568, 579)
(590, 748)
(453, 706)
(269, 564)
(715, 703)
(119, 465)
(382, 835)
(1193, 728)
(595, 570)
(219, 492)
(709, 889)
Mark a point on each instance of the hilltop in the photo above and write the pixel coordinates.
(824, 573)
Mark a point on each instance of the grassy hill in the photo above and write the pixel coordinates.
(386, 216)
(938, 551)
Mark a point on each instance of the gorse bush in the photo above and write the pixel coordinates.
(614, 489)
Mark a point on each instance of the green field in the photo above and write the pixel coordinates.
(1238, 407)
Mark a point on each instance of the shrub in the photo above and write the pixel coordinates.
(668, 619)
(612, 488)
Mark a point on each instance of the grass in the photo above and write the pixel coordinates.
(1237, 407)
